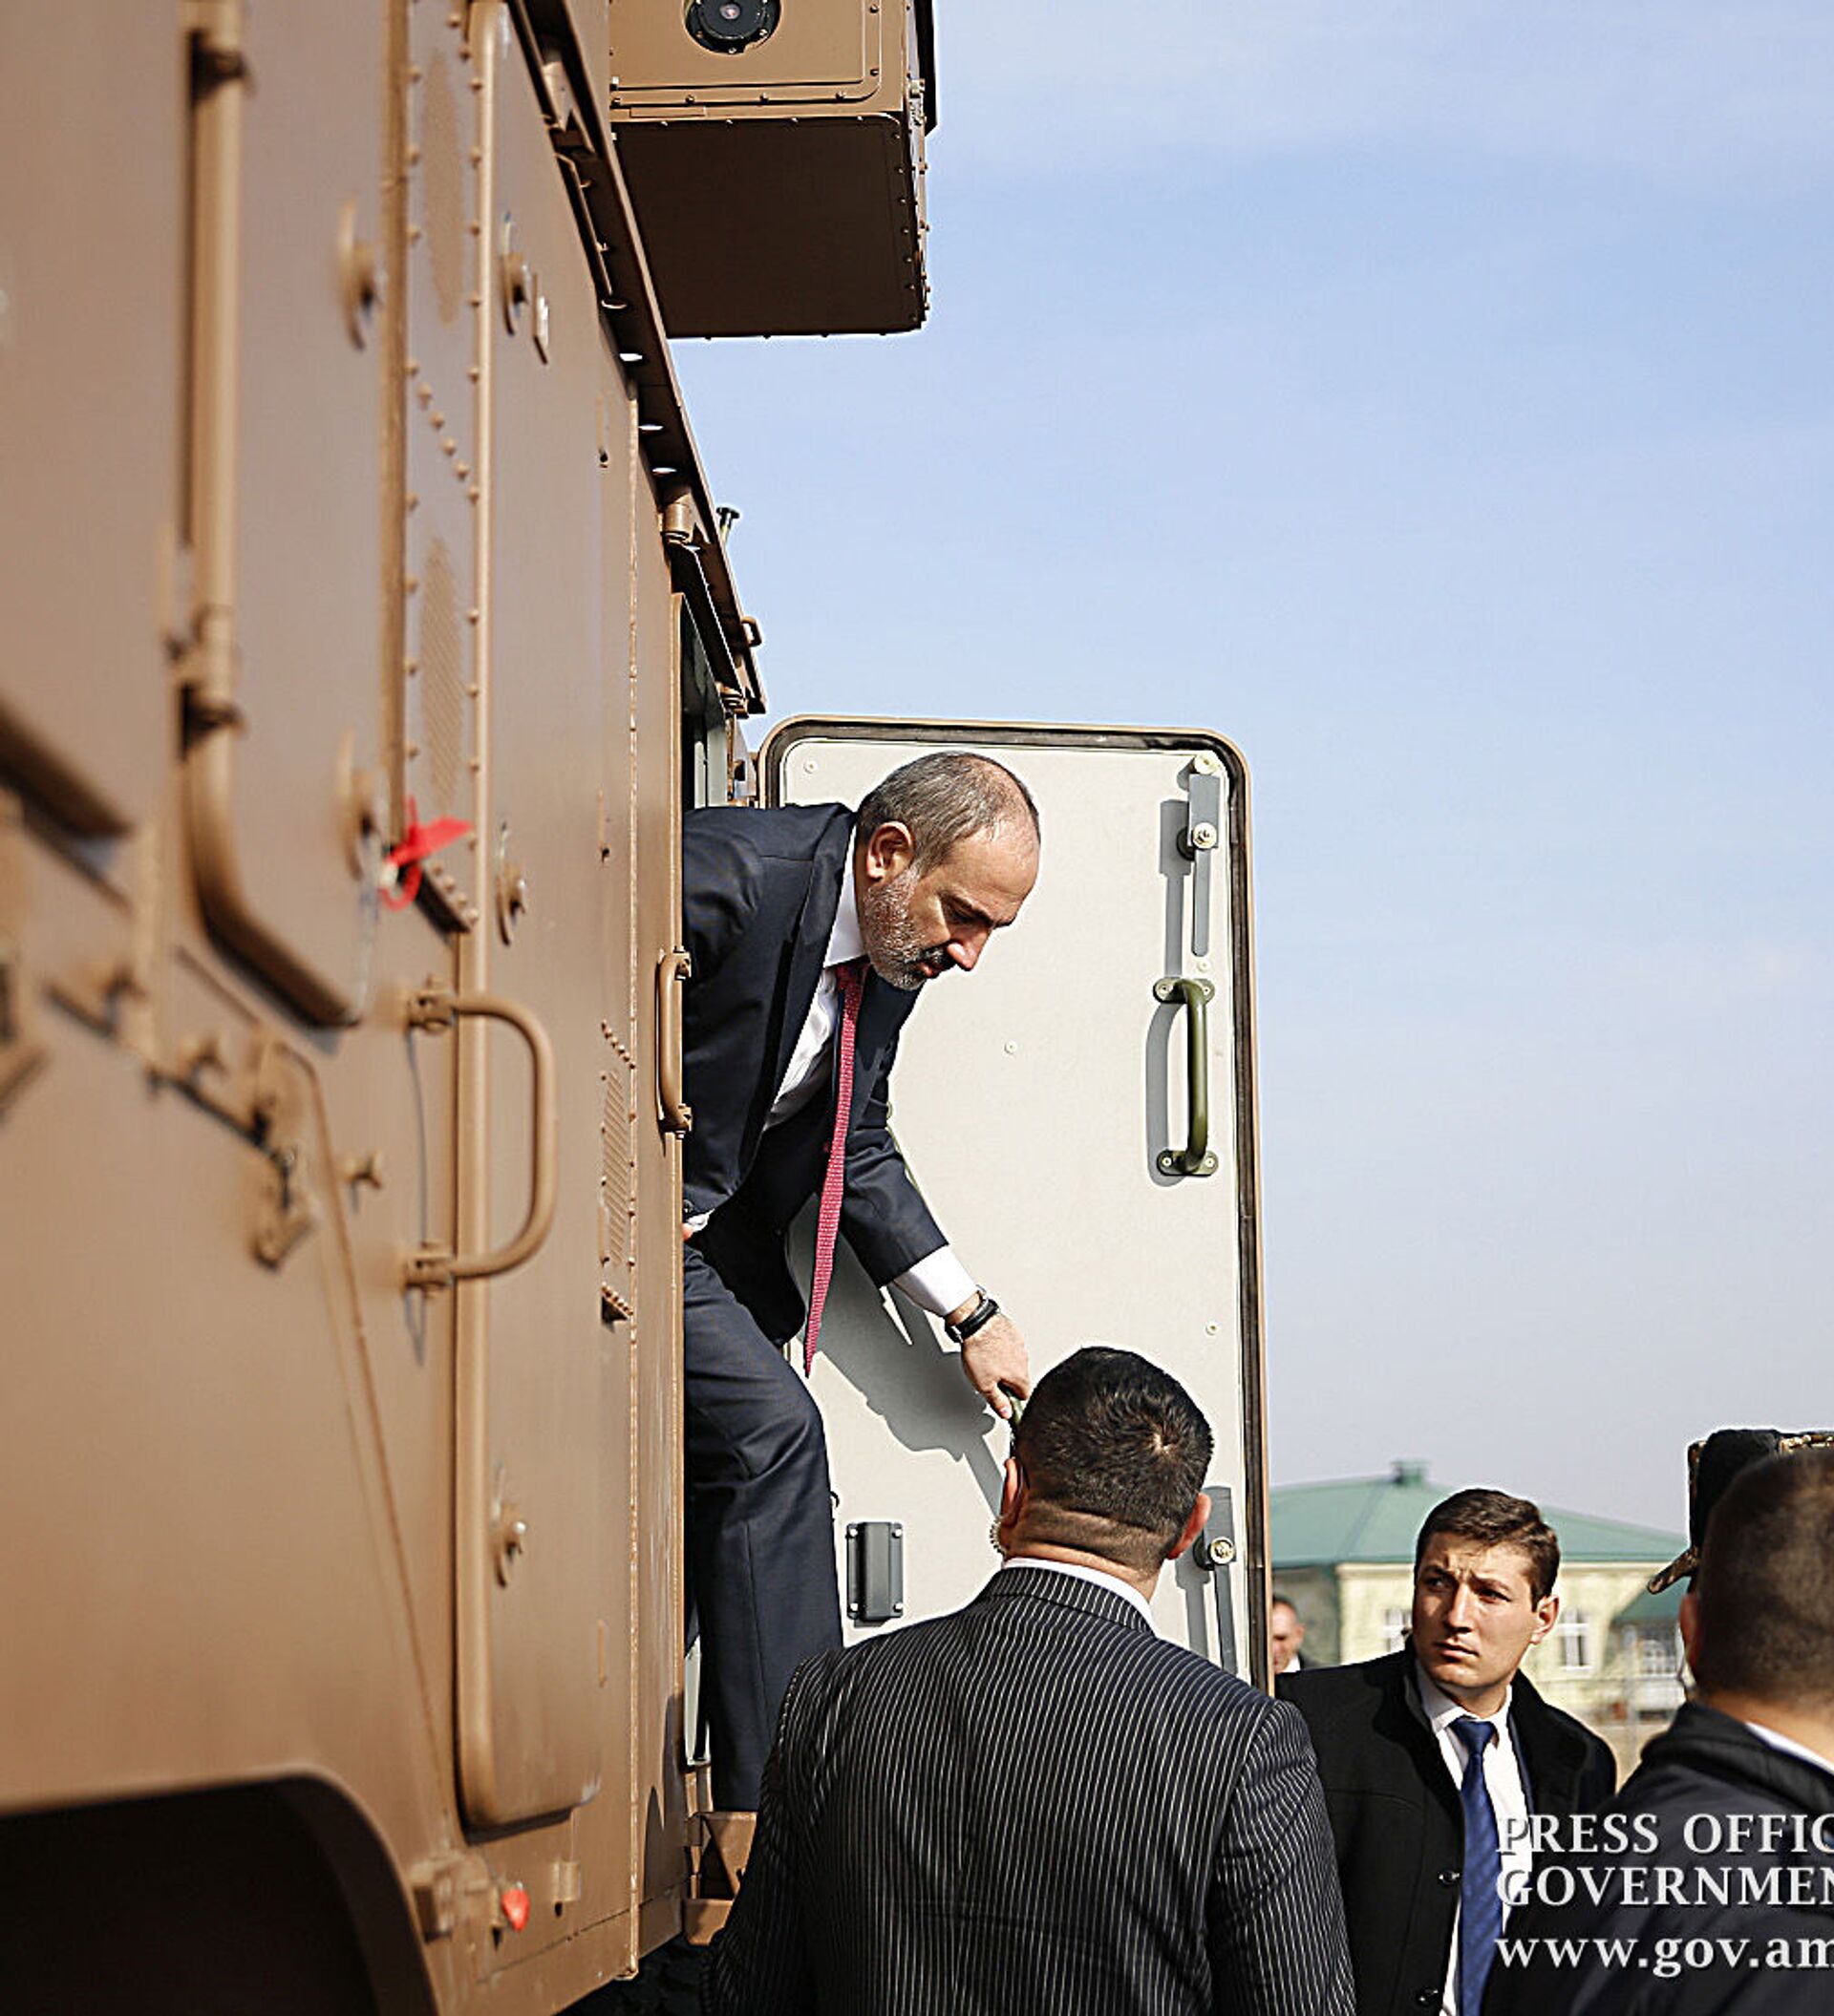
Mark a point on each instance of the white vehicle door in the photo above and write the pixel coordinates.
(1079, 1113)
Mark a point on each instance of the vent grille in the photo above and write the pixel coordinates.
(617, 1184)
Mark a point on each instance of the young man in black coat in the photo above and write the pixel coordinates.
(1710, 1891)
(1437, 1759)
(811, 932)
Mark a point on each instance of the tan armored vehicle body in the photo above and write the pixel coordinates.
(366, 625)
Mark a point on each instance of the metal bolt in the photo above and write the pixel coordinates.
(200, 1054)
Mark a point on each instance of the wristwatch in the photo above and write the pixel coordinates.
(977, 1318)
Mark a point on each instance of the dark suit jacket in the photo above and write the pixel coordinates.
(760, 891)
(1033, 1807)
(1700, 1773)
(1395, 1817)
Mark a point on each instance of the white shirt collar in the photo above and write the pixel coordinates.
(1443, 1711)
(844, 941)
(1098, 1578)
(1788, 1745)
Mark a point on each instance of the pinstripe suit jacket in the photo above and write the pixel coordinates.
(1034, 1807)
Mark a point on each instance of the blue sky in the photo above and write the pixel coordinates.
(1434, 398)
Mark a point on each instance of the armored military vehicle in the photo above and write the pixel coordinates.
(367, 624)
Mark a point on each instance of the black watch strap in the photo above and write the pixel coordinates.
(977, 1318)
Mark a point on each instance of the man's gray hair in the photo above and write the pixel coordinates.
(945, 796)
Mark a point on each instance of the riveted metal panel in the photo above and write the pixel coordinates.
(288, 680)
(439, 743)
(656, 1789)
(550, 1354)
(88, 424)
(814, 141)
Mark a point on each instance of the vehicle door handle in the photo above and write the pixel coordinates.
(436, 1006)
(1194, 1158)
(672, 978)
(1215, 1554)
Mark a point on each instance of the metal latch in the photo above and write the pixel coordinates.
(1199, 840)
(875, 1571)
(1215, 1552)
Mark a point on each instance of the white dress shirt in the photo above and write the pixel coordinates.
(1508, 1801)
(937, 1282)
(1789, 1746)
(1100, 1577)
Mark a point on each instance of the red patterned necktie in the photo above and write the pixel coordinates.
(851, 976)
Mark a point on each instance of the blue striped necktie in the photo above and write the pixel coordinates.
(1480, 1907)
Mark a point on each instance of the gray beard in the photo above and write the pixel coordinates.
(894, 950)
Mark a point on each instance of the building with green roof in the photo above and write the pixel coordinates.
(1343, 1555)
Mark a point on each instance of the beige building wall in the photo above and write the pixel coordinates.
(1374, 1601)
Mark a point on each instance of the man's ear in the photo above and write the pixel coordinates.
(1012, 1501)
(886, 851)
(1546, 1613)
(1690, 1626)
(1194, 1525)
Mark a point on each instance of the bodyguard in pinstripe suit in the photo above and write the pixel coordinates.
(1037, 1807)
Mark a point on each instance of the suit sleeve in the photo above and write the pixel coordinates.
(888, 1224)
(761, 1963)
(1276, 1915)
(721, 882)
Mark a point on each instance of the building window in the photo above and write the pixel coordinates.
(1395, 1624)
(1658, 1654)
(1575, 1632)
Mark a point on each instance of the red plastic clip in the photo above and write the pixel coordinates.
(515, 1902)
(414, 847)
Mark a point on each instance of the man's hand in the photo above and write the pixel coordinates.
(994, 1358)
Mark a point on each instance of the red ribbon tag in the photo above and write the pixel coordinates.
(414, 847)
(515, 1902)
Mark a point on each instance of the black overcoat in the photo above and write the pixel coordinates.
(1718, 1946)
(1396, 1819)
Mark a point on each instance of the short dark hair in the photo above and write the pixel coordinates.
(1765, 1583)
(942, 798)
(1277, 1601)
(1493, 1518)
(1114, 1454)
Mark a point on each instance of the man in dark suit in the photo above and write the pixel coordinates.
(1435, 1759)
(1036, 1805)
(1704, 1888)
(810, 932)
